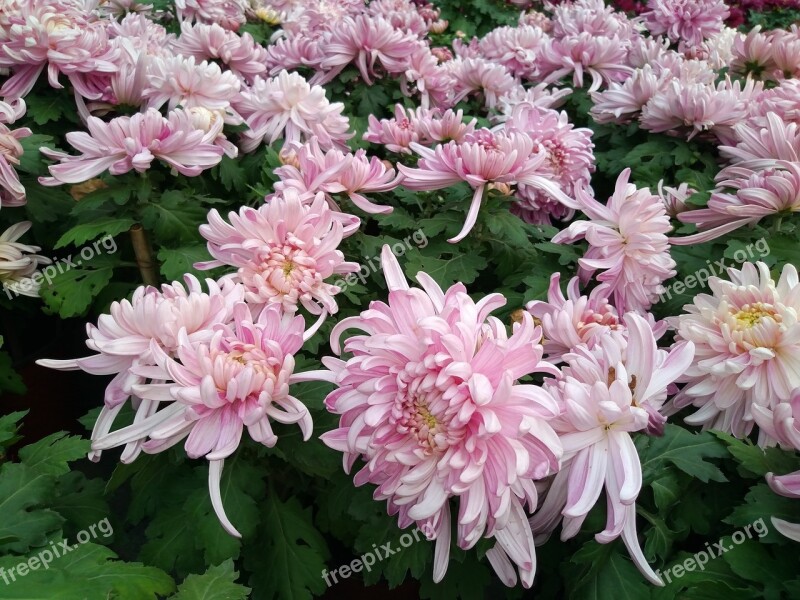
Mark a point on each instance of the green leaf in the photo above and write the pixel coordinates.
(176, 262)
(174, 216)
(466, 578)
(751, 561)
(43, 108)
(22, 492)
(106, 226)
(10, 380)
(9, 426)
(71, 292)
(460, 267)
(760, 461)
(232, 174)
(52, 454)
(31, 159)
(714, 579)
(288, 557)
(87, 572)
(611, 575)
(217, 583)
(761, 504)
(685, 450)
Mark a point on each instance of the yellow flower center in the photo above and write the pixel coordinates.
(751, 314)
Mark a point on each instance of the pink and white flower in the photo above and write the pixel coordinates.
(687, 22)
(12, 192)
(19, 262)
(284, 251)
(429, 401)
(747, 339)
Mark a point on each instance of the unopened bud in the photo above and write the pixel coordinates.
(502, 188)
(439, 26)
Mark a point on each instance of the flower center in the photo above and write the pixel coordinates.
(751, 314)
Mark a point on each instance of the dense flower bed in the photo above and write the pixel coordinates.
(498, 275)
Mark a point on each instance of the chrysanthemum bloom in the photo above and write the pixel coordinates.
(786, 54)
(593, 17)
(58, 35)
(429, 401)
(288, 106)
(19, 262)
(620, 103)
(686, 22)
(569, 160)
(762, 146)
(403, 15)
(783, 425)
(752, 55)
(604, 58)
(675, 198)
(421, 126)
(284, 251)
(516, 48)
(180, 81)
(752, 197)
(434, 82)
(481, 158)
(542, 95)
(477, 75)
(606, 394)
(12, 192)
(335, 172)
(699, 108)
(239, 378)
(783, 100)
(123, 337)
(627, 240)
(748, 348)
(290, 54)
(239, 52)
(230, 14)
(127, 143)
(366, 42)
(717, 50)
(569, 322)
(145, 35)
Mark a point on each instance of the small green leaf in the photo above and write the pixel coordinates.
(217, 583)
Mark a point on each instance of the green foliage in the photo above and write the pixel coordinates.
(218, 583)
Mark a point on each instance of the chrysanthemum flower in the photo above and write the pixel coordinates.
(762, 146)
(429, 401)
(516, 48)
(752, 54)
(284, 251)
(288, 106)
(542, 95)
(477, 75)
(752, 197)
(783, 424)
(604, 58)
(420, 126)
(230, 14)
(621, 102)
(19, 262)
(366, 42)
(12, 192)
(127, 143)
(686, 22)
(60, 36)
(481, 158)
(239, 52)
(124, 337)
(627, 240)
(570, 321)
(606, 394)
(215, 388)
(747, 338)
(335, 172)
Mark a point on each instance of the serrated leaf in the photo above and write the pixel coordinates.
(467, 579)
(22, 492)
(175, 262)
(43, 108)
(9, 426)
(175, 216)
(231, 174)
(31, 159)
(761, 504)
(52, 454)
(217, 583)
(685, 450)
(614, 577)
(106, 226)
(760, 461)
(293, 550)
(71, 292)
(10, 380)
(87, 571)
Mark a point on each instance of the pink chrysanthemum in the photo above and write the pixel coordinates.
(127, 143)
(747, 337)
(60, 36)
(477, 75)
(429, 402)
(215, 388)
(763, 146)
(240, 53)
(627, 240)
(575, 320)
(686, 22)
(366, 42)
(19, 262)
(516, 48)
(569, 160)
(606, 394)
(783, 425)
(619, 103)
(481, 158)
(125, 336)
(432, 81)
(335, 172)
(420, 126)
(12, 192)
(230, 14)
(752, 197)
(604, 58)
(284, 251)
(288, 106)
(752, 54)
